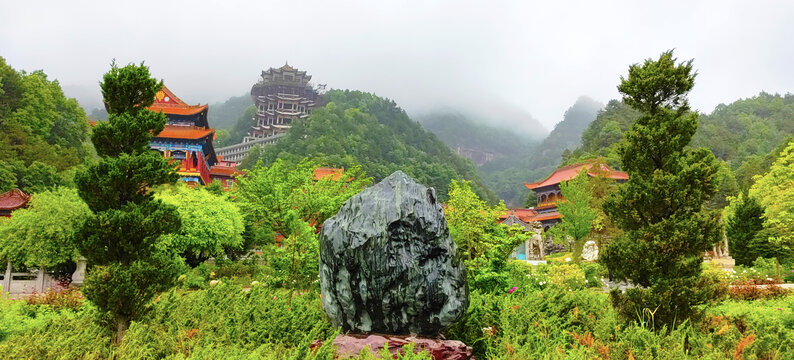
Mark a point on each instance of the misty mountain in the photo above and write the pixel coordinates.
(358, 128)
(507, 176)
(226, 114)
(480, 143)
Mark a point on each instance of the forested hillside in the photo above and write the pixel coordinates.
(43, 134)
(746, 134)
(231, 119)
(361, 128)
(507, 176)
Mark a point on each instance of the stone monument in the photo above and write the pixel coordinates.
(389, 266)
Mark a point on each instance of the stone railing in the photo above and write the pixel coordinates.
(36, 281)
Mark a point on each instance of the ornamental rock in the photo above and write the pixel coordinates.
(388, 264)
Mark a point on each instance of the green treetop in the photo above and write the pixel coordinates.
(210, 223)
(661, 207)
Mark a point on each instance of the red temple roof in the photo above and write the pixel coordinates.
(547, 216)
(569, 172)
(165, 101)
(321, 173)
(185, 132)
(524, 215)
(224, 171)
(13, 199)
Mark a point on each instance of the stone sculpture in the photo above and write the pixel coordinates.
(388, 264)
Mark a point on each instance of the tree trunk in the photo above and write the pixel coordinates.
(122, 324)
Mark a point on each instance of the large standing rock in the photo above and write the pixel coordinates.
(388, 264)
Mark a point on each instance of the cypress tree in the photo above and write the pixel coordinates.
(120, 238)
(661, 207)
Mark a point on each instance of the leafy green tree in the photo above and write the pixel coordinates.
(41, 233)
(743, 221)
(210, 223)
(661, 207)
(775, 193)
(267, 194)
(287, 199)
(484, 243)
(577, 216)
(473, 225)
(38, 124)
(123, 236)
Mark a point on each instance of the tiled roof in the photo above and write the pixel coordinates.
(547, 216)
(224, 171)
(321, 173)
(165, 101)
(185, 132)
(569, 172)
(13, 199)
(525, 215)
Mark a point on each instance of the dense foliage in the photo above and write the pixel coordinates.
(121, 237)
(775, 193)
(661, 207)
(210, 223)
(41, 234)
(42, 133)
(284, 205)
(358, 128)
(552, 314)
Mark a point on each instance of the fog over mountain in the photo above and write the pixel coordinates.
(530, 58)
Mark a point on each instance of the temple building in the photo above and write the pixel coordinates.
(281, 96)
(12, 200)
(545, 215)
(548, 189)
(187, 138)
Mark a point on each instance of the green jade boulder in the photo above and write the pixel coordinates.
(388, 264)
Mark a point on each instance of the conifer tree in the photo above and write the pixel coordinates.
(120, 238)
(742, 225)
(661, 207)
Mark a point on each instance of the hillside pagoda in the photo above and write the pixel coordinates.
(548, 189)
(187, 138)
(281, 96)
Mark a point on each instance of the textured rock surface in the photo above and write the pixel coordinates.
(590, 251)
(352, 345)
(388, 264)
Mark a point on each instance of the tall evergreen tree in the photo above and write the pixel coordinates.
(742, 226)
(121, 237)
(661, 207)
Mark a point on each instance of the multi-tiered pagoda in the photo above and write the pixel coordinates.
(187, 138)
(281, 96)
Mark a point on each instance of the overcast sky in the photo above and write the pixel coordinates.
(537, 57)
